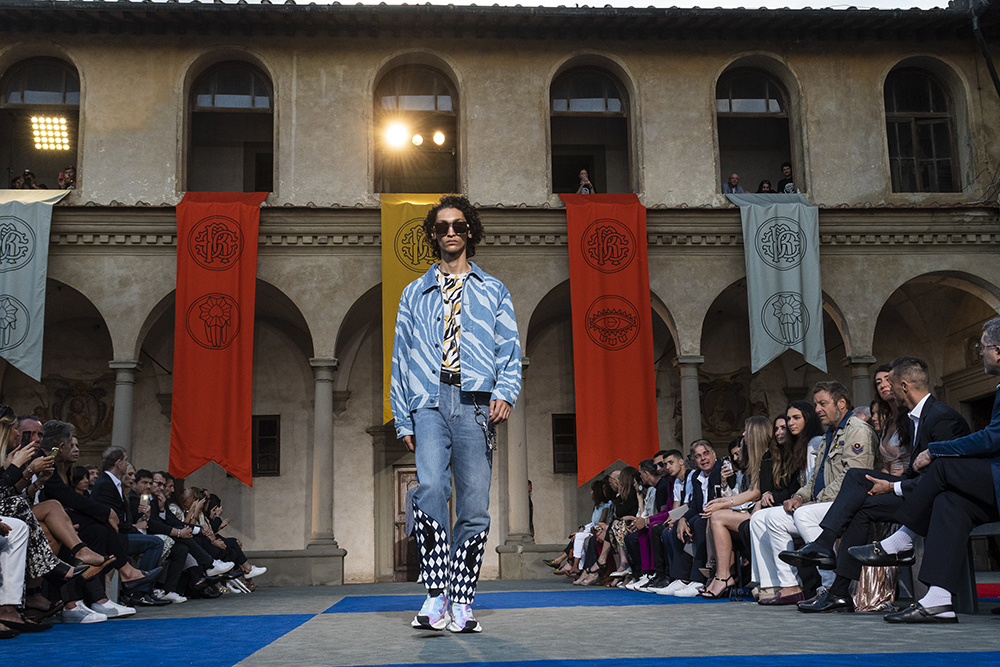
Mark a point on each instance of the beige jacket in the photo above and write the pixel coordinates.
(853, 446)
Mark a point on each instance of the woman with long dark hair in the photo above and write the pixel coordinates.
(790, 468)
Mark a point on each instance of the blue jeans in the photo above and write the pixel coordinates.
(450, 440)
(150, 546)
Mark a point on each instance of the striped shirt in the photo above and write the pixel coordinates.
(451, 291)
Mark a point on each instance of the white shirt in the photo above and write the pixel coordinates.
(703, 479)
(118, 483)
(914, 415)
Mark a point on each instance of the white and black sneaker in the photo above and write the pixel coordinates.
(433, 614)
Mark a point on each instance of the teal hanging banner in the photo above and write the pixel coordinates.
(784, 292)
(25, 218)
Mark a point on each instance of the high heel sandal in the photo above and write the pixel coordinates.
(708, 595)
(37, 614)
(592, 575)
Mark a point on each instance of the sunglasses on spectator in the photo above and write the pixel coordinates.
(6, 411)
(460, 226)
(661, 464)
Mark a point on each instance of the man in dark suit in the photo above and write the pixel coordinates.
(959, 490)
(108, 491)
(867, 496)
(685, 567)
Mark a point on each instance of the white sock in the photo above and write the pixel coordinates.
(937, 597)
(901, 540)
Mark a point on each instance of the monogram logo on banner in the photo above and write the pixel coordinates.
(785, 318)
(17, 243)
(608, 245)
(780, 243)
(612, 322)
(14, 321)
(216, 243)
(413, 250)
(213, 321)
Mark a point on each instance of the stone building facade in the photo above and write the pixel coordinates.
(889, 119)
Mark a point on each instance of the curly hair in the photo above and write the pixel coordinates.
(460, 202)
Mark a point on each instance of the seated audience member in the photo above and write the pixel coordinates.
(79, 480)
(628, 504)
(685, 567)
(568, 562)
(732, 186)
(659, 502)
(849, 443)
(680, 490)
(210, 519)
(98, 523)
(727, 513)
(765, 187)
(586, 187)
(21, 462)
(598, 548)
(867, 496)
(110, 490)
(785, 185)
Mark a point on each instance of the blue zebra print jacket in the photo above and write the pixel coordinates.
(490, 347)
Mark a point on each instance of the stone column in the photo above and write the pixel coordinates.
(861, 379)
(688, 364)
(322, 472)
(518, 531)
(121, 430)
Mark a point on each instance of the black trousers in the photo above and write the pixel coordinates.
(632, 551)
(659, 549)
(175, 567)
(853, 512)
(954, 496)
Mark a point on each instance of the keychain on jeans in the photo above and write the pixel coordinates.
(489, 430)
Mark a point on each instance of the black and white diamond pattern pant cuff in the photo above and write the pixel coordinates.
(434, 548)
(465, 567)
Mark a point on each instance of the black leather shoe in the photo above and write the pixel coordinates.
(875, 555)
(143, 584)
(147, 600)
(827, 602)
(917, 613)
(810, 554)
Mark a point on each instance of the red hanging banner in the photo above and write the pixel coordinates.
(213, 335)
(612, 332)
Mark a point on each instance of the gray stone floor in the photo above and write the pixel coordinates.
(565, 633)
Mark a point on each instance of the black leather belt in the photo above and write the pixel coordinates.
(451, 378)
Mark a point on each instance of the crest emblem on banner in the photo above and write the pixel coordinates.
(785, 318)
(413, 250)
(607, 245)
(216, 243)
(14, 322)
(17, 243)
(780, 243)
(213, 321)
(612, 322)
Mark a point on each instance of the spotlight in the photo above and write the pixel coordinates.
(417, 140)
(439, 138)
(396, 134)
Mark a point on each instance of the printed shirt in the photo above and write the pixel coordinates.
(491, 348)
(451, 291)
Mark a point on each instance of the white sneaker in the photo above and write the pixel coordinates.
(255, 572)
(82, 614)
(219, 567)
(113, 610)
(176, 598)
(672, 589)
(691, 590)
(641, 581)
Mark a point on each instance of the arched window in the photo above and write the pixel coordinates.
(921, 133)
(232, 130)
(39, 123)
(416, 132)
(754, 135)
(590, 131)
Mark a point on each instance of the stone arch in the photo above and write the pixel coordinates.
(192, 71)
(619, 70)
(958, 88)
(362, 319)
(779, 69)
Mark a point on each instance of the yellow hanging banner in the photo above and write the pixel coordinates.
(406, 255)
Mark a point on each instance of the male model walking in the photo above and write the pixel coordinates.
(456, 371)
